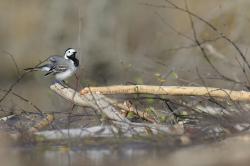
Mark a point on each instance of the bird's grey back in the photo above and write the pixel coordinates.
(56, 59)
(59, 63)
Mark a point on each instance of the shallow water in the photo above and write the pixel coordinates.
(92, 155)
(231, 151)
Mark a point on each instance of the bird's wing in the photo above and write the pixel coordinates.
(58, 64)
(55, 59)
(60, 68)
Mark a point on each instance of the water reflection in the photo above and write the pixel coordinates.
(65, 156)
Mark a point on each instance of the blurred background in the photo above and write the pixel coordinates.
(120, 42)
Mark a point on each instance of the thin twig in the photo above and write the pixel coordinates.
(202, 48)
(12, 86)
(16, 82)
(172, 28)
(25, 100)
(13, 60)
(213, 28)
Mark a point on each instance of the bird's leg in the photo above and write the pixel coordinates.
(65, 84)
(61, 82)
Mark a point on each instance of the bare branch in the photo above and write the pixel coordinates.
(96, 101)
(171, 90)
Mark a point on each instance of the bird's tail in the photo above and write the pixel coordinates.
(32, 69)
(46, 67)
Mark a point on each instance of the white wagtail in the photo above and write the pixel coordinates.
(61, 67)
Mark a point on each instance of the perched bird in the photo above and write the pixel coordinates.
(61, 67)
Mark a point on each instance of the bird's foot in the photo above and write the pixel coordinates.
(61, 82)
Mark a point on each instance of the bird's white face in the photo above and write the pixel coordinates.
(69, 52)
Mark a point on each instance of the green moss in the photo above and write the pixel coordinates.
(131, 115)
(163, 118)
(150, 101)
(150, 111)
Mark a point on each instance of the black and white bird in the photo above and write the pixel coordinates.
(62, 67)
